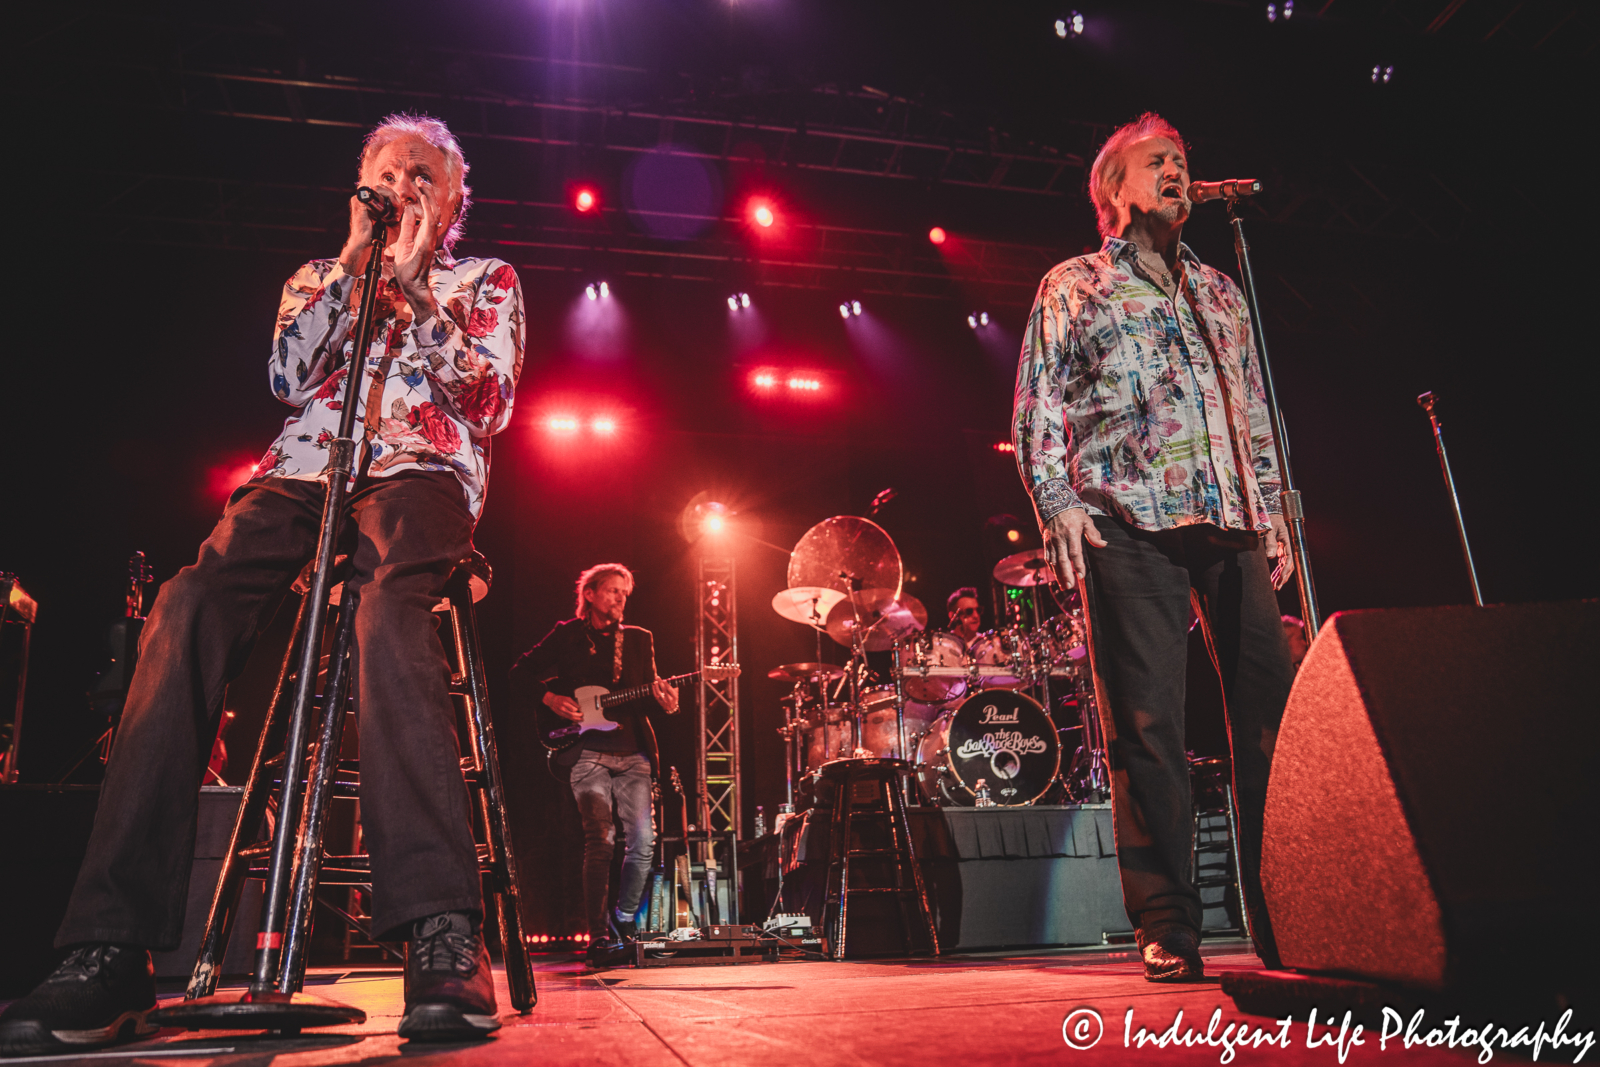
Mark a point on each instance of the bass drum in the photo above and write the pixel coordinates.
(999, 736)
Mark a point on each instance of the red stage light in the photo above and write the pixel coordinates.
(808, 385)
(585, 200)
(764, 381)
(562, 423)
(603, 426)
(937, 235)
(1004, 446)
(761, 213)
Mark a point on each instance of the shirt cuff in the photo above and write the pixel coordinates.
(432, 332)
(1271, 494)
(1053, 496)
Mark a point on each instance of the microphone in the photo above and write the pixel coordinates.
(381, 208)
(1200, 192)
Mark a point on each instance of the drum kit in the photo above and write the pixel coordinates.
(972, 717)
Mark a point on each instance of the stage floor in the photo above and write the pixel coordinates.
(966, 1010)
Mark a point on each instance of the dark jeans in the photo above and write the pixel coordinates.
(407, 534)
(1140, 587)
(603, 783)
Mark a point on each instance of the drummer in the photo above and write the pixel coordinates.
(964, 618)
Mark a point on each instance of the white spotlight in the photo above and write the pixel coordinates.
(983, 318)
(844, 311)
(733, 303)
(1069, 25)
(1288, 8)
(744, 300)
(591, 293)
(972, 322)
(1381, 73)
(605, 290)
(855, 307)
(1272, 12)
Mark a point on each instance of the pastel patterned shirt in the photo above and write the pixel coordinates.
(1130, 406)
(447, 385)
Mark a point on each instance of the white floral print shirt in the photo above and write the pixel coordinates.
(447, 388)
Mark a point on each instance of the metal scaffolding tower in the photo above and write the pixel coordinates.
(717, 641)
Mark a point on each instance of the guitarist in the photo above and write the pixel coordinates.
(611, 772)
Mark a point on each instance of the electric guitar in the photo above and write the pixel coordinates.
(684, 913)
(560, 733)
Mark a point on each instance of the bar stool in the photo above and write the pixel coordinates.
(870, 855)
(329, 777)
(1211, 785)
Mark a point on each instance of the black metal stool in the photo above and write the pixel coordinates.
(327, 777)
(870, 855)
(1216, 833)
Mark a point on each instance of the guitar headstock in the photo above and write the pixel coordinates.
(720, 672)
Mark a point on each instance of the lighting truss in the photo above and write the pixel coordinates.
(717, 641)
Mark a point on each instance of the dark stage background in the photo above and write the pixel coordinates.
(145, 275)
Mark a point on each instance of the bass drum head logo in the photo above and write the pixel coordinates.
(1008, 739)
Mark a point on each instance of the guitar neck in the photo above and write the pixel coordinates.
(622, 696)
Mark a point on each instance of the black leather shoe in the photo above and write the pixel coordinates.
(1170, 954)
(99, 995)
(449, 987)
(627, 931)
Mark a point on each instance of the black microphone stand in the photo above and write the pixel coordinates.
(271, 1001)
(1293, 508)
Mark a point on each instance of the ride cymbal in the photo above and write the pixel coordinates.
(1023, 569)
(806, 604)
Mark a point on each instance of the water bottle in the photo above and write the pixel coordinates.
(761, 822)
(981, 793)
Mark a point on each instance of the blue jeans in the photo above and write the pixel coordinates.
(604, 783)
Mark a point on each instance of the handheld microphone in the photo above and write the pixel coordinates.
(1200, 192)
(381, 208)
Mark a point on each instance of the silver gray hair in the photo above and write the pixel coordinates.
(435, 132)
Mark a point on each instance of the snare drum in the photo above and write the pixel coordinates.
(933, 648)
(997, 735)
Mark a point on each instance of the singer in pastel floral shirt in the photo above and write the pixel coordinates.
(1143, 437)
(443, 369)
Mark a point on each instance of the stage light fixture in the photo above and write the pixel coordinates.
(603, 426)
(761, 214)
(1381, 73)
(764, 380)
(977, 319)
(804, 385)
(1013, 535)
(855, 307)
(738, 301)
(585, 201)
(937, 235)
(562, 423)
(844, 311)
(744, 300)
(1004, 446)
(1069, 25)
(591, 292)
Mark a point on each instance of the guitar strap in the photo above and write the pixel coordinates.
(616, 659)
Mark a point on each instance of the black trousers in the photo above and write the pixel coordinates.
(1140, 587)
(406, 534)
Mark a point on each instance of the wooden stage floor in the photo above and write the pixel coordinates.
(961, 1010)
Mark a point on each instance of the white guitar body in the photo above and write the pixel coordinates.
(594, 716)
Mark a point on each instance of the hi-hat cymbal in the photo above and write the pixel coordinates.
(806, 604)
(843, 550)
(1025, 568)
(883, 619)
(807, 672)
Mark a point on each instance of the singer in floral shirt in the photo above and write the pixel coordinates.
(436, 383)
(1142, 435)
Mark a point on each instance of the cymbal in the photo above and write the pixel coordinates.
(807, 672)
(806, 604)
(883, 617)
(845, 548)
(1025, 568)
